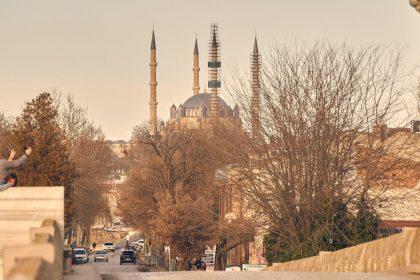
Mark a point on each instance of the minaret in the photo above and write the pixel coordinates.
(214, 72)
(153, 83)
(255, 86)
(196, 70)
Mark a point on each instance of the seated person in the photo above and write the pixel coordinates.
(10, 180)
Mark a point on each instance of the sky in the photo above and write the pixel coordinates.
(98, 50)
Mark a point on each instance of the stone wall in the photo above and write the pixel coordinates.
(395, 252)
(31, 232)
(44, 256)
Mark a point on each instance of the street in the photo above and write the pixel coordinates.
(99, 270)
(112, 270)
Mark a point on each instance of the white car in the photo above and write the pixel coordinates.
(81, 255)
(139, 245)
(101, 255)
(109, 246)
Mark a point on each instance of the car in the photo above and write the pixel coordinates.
(127, 256)
(81, 255)
(139, 245)
(109, 246)
(100, 255)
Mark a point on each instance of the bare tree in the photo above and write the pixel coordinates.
(324, 159)
(94, 163)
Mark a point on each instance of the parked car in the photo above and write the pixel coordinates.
(100, 255)
(127, 256)
(81, 255)
(109, 246)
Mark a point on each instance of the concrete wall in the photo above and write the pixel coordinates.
(31, 227)
(395, 252)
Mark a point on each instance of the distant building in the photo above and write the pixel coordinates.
(404, 212)
(203, 108)
(120, 147)
(234, 206)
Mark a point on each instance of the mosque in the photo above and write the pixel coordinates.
(204, 108)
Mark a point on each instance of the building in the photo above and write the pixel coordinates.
(203, 108)
(234, 206)
(404, 211)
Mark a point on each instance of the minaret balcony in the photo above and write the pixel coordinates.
(214, 84)
(214, 64)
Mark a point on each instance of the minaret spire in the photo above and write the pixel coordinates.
(255, 46)
(214, 65)
(196, 47)
(153, 84)
(255, 86)
(196, 70)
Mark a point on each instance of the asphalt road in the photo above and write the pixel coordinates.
(100, 270)
(112, 270)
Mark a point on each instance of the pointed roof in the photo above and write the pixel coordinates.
(153, 44)
(255, 46)
(196, 47)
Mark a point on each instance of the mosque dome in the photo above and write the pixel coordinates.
(203, 100)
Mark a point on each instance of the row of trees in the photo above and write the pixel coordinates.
(68, 150)
(171, 194)
(315, 177)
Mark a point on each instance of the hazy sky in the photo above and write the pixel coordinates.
(98, 50)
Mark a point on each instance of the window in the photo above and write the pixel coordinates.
(79, 252)
(101, 253)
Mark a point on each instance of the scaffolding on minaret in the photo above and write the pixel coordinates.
(214, 65)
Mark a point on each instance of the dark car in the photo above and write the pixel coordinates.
(127, 256)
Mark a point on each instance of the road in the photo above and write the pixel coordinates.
(112, 270)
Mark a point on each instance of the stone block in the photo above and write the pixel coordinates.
(24, 208)
(30, 269)
(45, 251)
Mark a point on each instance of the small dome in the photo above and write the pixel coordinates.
(203, 100)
